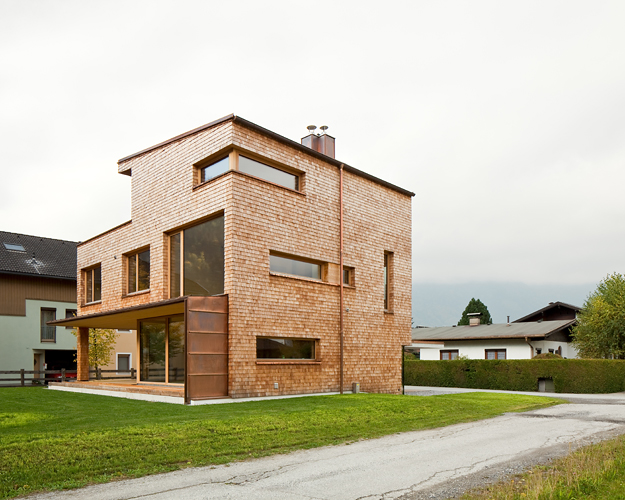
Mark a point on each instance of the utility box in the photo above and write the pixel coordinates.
(546, 385)
(355, 387)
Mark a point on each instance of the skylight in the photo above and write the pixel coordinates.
(15, 247)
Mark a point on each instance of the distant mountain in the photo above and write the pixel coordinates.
(442, 305)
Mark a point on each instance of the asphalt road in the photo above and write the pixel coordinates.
(430, 464)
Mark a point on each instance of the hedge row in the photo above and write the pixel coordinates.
(583, 376)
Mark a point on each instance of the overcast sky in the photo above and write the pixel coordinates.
(507, 119)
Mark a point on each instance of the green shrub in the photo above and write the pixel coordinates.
(583, 376)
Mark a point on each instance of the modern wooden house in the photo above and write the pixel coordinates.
(253, 265)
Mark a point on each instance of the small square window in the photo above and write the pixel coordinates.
(348, 276)
(214, 169)
(449, 354)
(495, 354)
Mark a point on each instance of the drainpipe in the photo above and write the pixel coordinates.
(341, 275)
(531, 347)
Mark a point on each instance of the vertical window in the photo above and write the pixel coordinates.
(388, 281)
(495, 354)
(93, 284)
(70, 313)
(139, 271)
(48, 333)
(123, 362)
(348, 276)
(196, 260)
(449, 354)
(161, 350)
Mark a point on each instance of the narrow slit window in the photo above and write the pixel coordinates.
(294, 267)
(271, 174)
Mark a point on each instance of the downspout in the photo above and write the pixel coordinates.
(341, 275)
(531, 347)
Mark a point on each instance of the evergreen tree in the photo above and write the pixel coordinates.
(475, 306)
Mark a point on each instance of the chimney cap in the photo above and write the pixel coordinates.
(474, 315)
(324, 128)
(312, 128)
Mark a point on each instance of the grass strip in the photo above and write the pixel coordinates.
(56, 440)
(595, 472)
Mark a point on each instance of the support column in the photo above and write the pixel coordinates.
(82, 354)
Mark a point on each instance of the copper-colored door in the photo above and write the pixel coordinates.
(207, 347)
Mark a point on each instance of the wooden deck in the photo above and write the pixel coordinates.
(125, 386)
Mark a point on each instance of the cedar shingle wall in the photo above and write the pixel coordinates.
(260, 217)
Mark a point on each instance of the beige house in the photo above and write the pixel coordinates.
(232, 274)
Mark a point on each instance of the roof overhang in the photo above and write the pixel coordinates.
(126, 318)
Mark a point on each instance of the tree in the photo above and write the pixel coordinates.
(475, 306)
(600, 329)
(101, 346)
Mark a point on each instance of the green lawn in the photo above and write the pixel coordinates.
(53, 440)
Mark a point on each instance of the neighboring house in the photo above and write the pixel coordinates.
(37, 285)
(553, 311)
(497, 341)
(230, 269)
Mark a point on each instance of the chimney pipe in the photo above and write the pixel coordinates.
(322, 143)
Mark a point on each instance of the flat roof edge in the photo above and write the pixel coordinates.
(105, 232)
(277, 137)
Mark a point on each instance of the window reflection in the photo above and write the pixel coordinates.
(215, 169)
(152, 351)
(176, 349)
(280, 348)
(268, 173)
(295, 267)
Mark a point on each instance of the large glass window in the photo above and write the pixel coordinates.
(295, 267)
(214, 169)
(93, 284)
(196, 263)
(282, 348)
(161, 345)
(139, 271)
(271, 174)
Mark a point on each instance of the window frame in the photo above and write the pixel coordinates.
(75, 311)
(350, 276)
(48, 328)
(451, 352)
(388, 281)
(497, 352)
(124, 354)
(313, 359)
(89, 273)
(233, 155)
(296, 258)
(134, 255)
(180, 231)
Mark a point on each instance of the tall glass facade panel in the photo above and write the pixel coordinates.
(204, 258)
(176, 349)
(174, 265)
(152, 338)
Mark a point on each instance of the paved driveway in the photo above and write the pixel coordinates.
(423, 464)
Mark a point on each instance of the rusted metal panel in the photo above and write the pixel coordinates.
(207, 386)
(217, 304)
(201, 343)
(207, 322)
(207, 347)
(208, 364)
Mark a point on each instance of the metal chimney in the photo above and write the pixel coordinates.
(322, 143)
